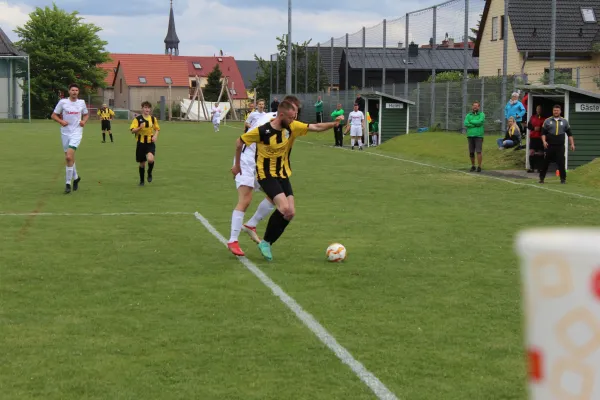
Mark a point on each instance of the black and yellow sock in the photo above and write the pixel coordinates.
(111, 138)
(275, 227)
(104, 136)
(141, 169)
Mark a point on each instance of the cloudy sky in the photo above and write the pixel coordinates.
(243, 28)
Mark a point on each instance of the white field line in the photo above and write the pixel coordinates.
(380, 390)
(475, 175)
(114, 214)
(472, 174)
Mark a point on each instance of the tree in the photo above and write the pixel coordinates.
(449, 76)
(62, 50)
(262, 82)
(213, 85)
(475, 31)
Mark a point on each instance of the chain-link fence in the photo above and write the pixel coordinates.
(425, 56)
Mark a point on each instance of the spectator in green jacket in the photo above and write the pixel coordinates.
(474, 123)
(339, 135)
(319, 110)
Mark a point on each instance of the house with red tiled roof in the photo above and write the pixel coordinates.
(131, 77)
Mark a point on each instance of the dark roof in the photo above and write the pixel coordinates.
(249, 70)
(443, 59)
(556, 90)
(325, 59)
(573, 35)
(171, 41)
(7, 48)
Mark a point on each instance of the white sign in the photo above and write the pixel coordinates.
(394, 105)
(587, 107)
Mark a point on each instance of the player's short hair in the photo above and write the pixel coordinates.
(73, 85)
(286, 105)
(477, 102)
(356, 104)
(259, 100)
(292, 99)
(557, 106)
(146, 104)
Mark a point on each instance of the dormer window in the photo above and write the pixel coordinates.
(588, 14)
(197, 65)
(142, 79)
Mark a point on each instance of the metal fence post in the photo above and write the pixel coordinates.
(578, 77)
(466, 61)
(407, 57)
(296, 69)
(346, 88)
(318, 66)
(331, 68)
(418, 101)
(305, 69)
(447, 105)
(384, 58)
(482, 100)
(433, 44)
(364, 55)
(504, 68)
(393, 89)
(277, 83)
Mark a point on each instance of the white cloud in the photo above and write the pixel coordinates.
(12, 16)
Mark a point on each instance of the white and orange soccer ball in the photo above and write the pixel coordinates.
(336, 252)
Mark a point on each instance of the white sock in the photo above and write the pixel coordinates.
(359, 142)
(75, 176)
(237, 219)
(264, 208)
(69, 175)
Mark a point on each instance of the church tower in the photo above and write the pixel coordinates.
(171, 41)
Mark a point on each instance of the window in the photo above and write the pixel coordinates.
(233, 92)
(495, 28)
(111, 102)
(168, 80)
(502, 27)
(220, 59)
(197, 65)
(589, 16)
(142, 79)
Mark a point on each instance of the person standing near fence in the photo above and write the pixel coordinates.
(474, 122)
(319, 110)
(514, 108)
(536, 146)
(338, 130)
(553, 136)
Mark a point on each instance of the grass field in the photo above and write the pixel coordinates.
(98, 306)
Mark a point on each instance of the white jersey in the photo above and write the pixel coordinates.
(356, 118)
(267, 117)
(71, 112)
(216, 113)
(254, 118)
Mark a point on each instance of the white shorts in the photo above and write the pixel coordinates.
(248, 175)
(71, 140)
(356, 130)
(216, 121)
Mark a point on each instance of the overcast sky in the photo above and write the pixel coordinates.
(244, 28)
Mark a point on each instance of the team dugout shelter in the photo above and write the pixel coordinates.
(391, 114)
(580, 107)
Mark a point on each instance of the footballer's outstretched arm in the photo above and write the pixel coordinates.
(324, 126)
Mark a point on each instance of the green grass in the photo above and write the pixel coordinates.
(154, 307)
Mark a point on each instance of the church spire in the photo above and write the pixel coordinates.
(171, 41)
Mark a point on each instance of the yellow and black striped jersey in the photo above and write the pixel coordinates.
(106, 113)
(145, 134)
(273, 148)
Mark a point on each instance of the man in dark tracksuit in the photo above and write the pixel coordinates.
(553, 136)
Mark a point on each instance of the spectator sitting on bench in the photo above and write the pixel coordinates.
(512, 137)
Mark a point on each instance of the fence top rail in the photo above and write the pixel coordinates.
(432, 7)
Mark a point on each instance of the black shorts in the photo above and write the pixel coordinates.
(143, 149)
(475, 144)
(536, 144)
(106, 125)
(274, 186)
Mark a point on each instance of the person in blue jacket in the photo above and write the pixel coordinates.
(514, 108)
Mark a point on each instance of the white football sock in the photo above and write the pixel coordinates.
(69, 175)
(264, 208)
(237, 219)
(75, 176)
(359, 142)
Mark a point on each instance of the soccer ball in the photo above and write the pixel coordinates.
(336, 252)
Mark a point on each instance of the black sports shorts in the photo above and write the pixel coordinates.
(274, 186)
(142, 149)
(106, 125)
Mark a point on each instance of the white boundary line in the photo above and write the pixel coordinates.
(473, 174)
(380, 390)
(116, 214)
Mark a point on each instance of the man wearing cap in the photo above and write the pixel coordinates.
(106, 115)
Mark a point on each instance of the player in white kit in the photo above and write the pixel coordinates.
(356, 119)
(216, 116)
(72, 114)
(246, 183)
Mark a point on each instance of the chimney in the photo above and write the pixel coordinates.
(413, 49)
(400, 45)
(451, 43)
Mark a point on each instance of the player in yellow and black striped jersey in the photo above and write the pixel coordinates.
(106, 115)
(274, 141)
(146, 129)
